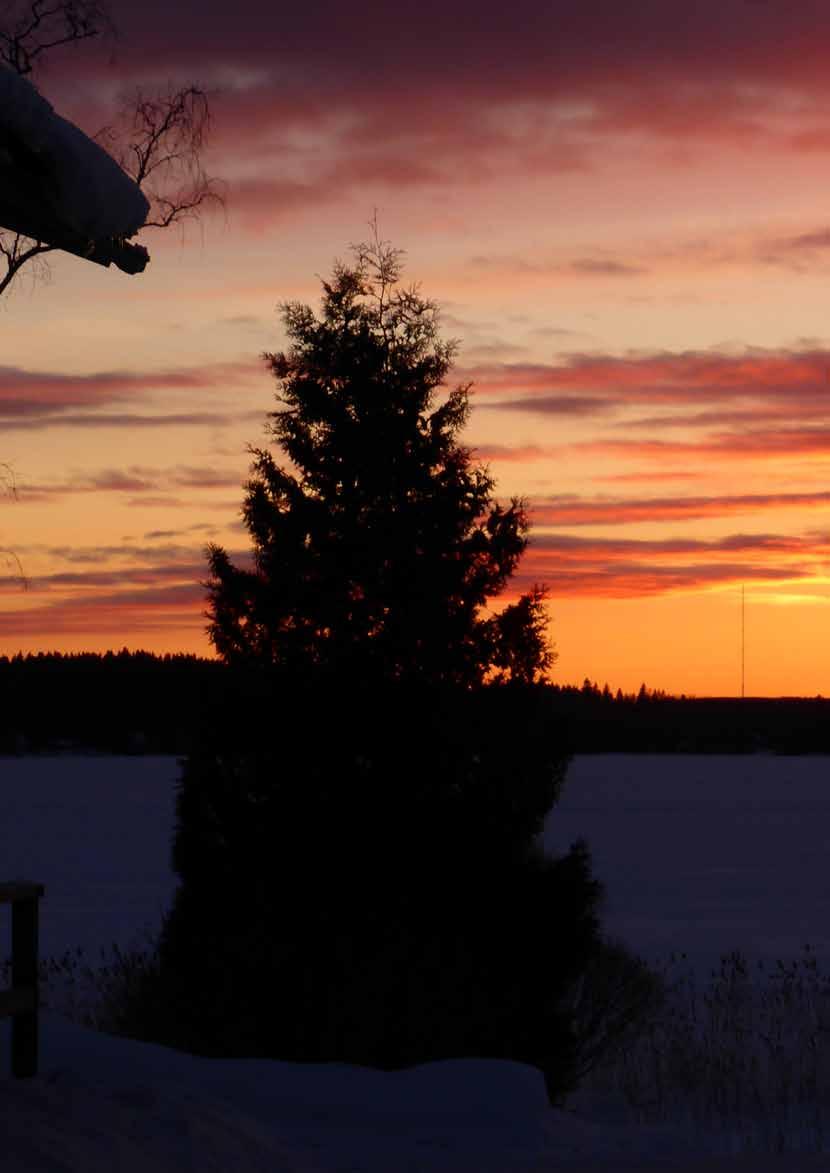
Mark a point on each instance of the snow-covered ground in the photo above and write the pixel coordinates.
(702, 854)
(97, 831)
(106, 1104)
(705, 853)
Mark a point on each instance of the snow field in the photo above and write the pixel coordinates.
(695, 852)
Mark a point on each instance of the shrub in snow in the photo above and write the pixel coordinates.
(748, 1053)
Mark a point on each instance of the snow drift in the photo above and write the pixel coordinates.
(102, 1103)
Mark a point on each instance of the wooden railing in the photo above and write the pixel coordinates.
(21, 1001)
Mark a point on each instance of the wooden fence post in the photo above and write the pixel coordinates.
(24, 977)
(21, 1001)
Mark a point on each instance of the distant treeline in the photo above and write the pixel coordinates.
(119, 702)
(599, 721)
(137, 702)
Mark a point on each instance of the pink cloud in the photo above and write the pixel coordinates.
(126, 420)
(518, 454)
(136, 576)
(759, 444)
(338, 96)
(760, 403)
(119, 614)
(595, 267)
(671, 378)
(622, 511)
(819, 239)
(469, 46)
(28, 393)
(618, 580)
(645, 476)
(134, 479)
(619, 568)
(570, 546)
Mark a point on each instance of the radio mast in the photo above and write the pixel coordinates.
(743, 640)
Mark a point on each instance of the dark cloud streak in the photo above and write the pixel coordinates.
(424, 95)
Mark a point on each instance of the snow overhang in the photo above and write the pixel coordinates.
(61, 188)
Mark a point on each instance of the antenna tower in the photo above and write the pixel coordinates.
(743, 640)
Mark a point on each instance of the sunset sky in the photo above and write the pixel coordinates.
(623, 210)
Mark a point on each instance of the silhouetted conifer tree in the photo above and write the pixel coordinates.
(378, 547)
(356, 824)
